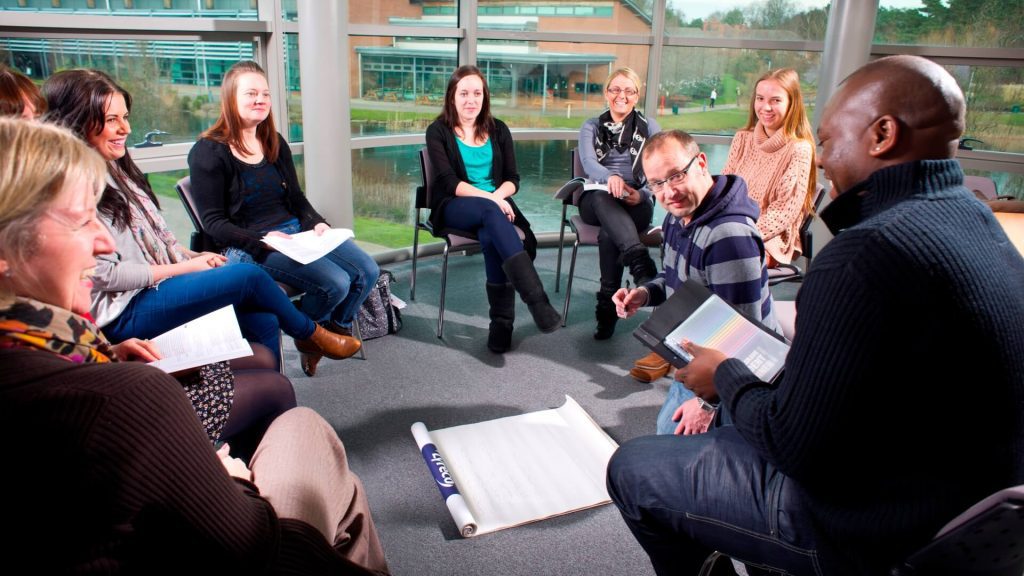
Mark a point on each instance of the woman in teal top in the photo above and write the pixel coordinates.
(475, 177)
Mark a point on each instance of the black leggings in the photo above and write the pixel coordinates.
(621, 226)
(261, 394)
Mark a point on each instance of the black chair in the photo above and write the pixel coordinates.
(454, 239)
(791, 272)
(203, 242)
(986, 540)
(200, 240)
(586, 234)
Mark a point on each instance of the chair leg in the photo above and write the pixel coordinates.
(709, 563)
(568, 283)
(561, 244)
(444, 284)
(415, 253)
(358, 334)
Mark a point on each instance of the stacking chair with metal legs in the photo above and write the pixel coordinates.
(586, 234)
(454, 239)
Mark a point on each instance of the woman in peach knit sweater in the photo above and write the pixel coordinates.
(774, 153)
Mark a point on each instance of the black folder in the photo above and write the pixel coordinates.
(694, 313)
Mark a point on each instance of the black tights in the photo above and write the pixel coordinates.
(261, 394)
(621, 226)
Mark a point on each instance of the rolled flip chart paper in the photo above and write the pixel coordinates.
(457, 506)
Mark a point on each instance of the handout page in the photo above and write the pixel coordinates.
(207, 339)
(519, 469)
(306, 247)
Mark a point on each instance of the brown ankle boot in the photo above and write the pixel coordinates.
(308, 363)
(650, 368)
(327, 343)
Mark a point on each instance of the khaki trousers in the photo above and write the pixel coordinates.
(301, 469)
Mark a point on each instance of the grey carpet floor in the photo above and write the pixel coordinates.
(414, 376)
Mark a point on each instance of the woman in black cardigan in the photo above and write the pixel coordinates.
(475, 177)
(245, 188)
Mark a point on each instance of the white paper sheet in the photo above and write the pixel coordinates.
(306, 247)
(525, 468)
(207, 339)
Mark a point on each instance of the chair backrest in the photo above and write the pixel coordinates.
(423, 196)
(577, 165)
(986, 540)
(200, 241)
(806, 238)
(982, 186)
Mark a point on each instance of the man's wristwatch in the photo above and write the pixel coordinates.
(705, 405)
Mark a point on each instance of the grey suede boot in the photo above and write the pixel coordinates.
(502, 299)
(524, 278)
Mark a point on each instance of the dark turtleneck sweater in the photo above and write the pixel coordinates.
(902, 402)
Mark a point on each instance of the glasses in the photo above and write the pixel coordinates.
(674, 178)
(629, 92)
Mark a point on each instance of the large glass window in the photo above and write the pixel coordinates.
(174, 84)
(554, 84)
(688, 75)
(398, 83)
(403, 12)
(974, 23)
(234, 9)
(995, 98)
(765, 20)
(293, 87)
(603, 16)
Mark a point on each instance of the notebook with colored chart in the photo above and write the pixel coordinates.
(694, 313)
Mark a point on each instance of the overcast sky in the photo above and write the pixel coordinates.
(701, 8)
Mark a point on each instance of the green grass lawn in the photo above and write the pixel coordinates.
(385, 233)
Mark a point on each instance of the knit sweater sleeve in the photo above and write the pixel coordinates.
(588, 156)
(783, 207)
(162, 463)
(213, 178)
(124, 269)
(509, 168)
(837, 350)
(307, 215)
(736, 148)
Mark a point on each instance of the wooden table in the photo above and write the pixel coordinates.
(1013, 223)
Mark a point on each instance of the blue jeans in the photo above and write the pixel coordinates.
(259, 303)
(677, 394)
(334, 286)
(498, 238)
(686, 496)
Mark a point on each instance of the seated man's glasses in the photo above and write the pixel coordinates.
(674, 178)
(629, 92)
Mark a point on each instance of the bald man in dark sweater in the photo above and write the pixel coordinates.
(901, 403)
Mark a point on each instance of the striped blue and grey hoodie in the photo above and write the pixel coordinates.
(722, 248)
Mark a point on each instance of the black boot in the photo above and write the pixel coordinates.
(502, 298)
(641, 265)
(605, 313)
(524, 278)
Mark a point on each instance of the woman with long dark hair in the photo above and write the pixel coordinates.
(152, 283)
(246, 187)
(475, 178)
